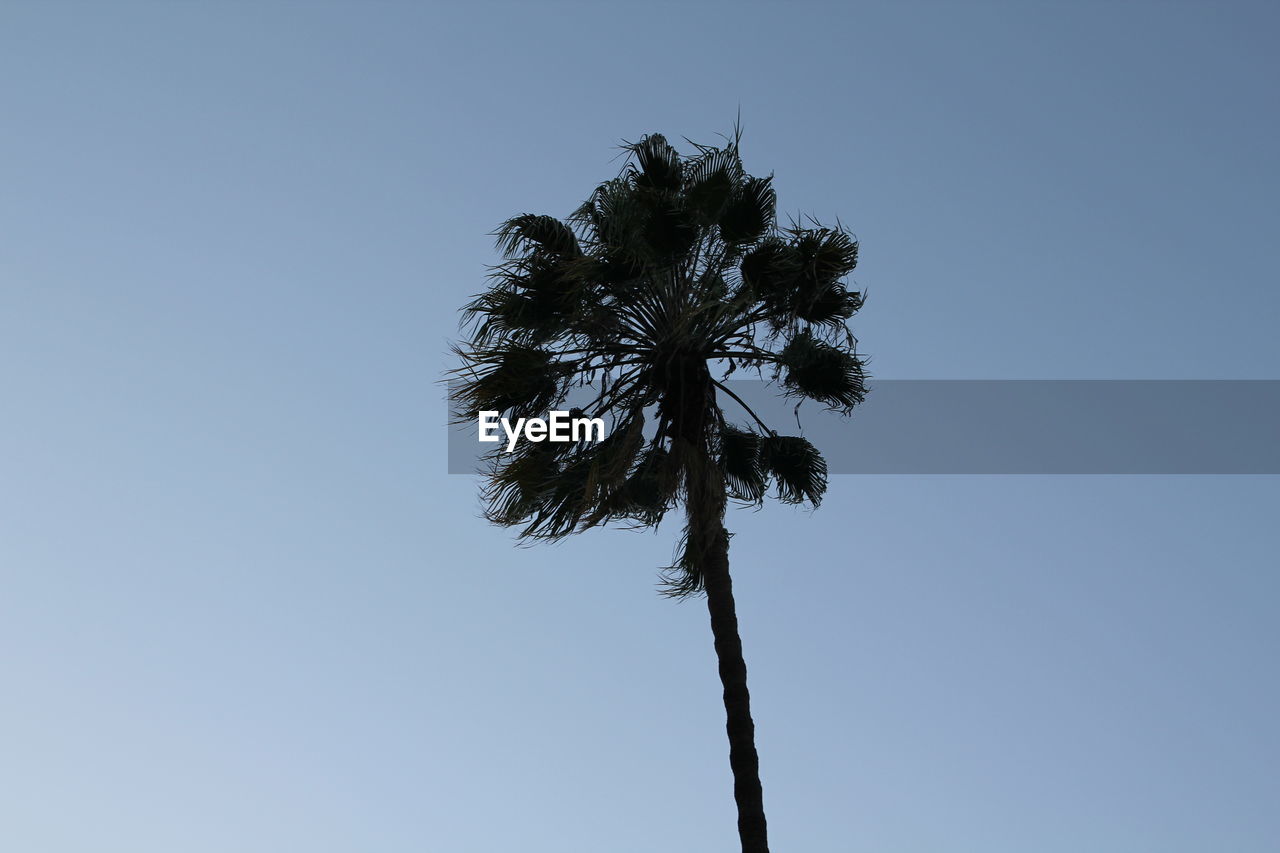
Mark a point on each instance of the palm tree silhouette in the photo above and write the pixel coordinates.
(676, 266)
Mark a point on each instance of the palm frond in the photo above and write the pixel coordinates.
(819, 371)
(518, 482)
(750, 213)
(828, 304)
(745, 478)
(515, 380)
(707, 195)
(649, 490)
(797, 468)
(684, 577)
(770, 269)
(520, 234)
(667, 232)
(658, 164)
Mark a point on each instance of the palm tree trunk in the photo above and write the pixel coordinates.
(691, 406)
(743, 760)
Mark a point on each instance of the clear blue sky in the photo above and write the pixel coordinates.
(243, 608)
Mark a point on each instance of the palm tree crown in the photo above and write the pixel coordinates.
(675, 266)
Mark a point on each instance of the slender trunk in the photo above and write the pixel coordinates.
(743, 760)
(691, 404)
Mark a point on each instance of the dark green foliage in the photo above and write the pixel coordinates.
(533, 232)
(668, 233)
(750, 211)
(658, 164)
(648, 491)
(824, 257)
(796, 466)
(744, 476)
(819, 371)
(825, 254)
(673, 267)
(514, 379)
(770, 273)
(516, 490)
(708, 194)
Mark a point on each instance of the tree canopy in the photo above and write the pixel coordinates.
(673, 271)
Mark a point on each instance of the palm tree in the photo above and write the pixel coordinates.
(676, 267)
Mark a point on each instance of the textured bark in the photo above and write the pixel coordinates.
(690, 403)
(743, 760)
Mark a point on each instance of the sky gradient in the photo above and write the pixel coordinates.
(245, 607)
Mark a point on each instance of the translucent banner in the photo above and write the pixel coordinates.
(921, 426)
